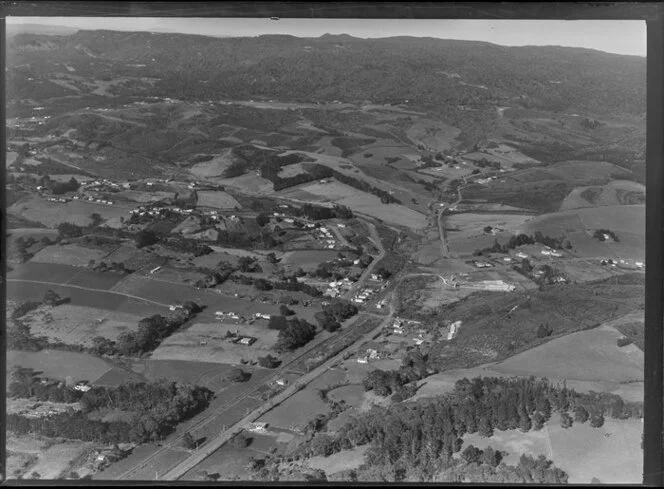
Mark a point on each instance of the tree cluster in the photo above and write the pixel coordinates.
(158, 408)
(296, 333)
(523, 239)
(423, 433)
(599, 234)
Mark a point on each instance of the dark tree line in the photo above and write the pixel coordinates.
(151, 331)
(290, 284)
(322, 171)
(524, 239)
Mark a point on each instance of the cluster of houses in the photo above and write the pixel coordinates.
(549, 252)
(338, 287)
(363, 294)
(398, 325)
(622, 263)
(257, 427)
(155, 211)
(326, 238)
(105, 185)
(371, 354)
(58, 199)
(92, 199)
(233, 315)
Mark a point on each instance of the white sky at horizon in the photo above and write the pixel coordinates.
(613, 36)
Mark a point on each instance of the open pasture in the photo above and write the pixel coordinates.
(217, 199)
(582, 451)
(63, 275)
(229, 462)
(249, 182)
(60, 365)
(580, 172)
(34, 233)
(213, 168)
(586, 355)
(306, 259)
(449, 172)
(465, 231)
(344, 460)
(296, 411)
(53, 213)
(627, 221)
(106, 300)
(78, 325)
(144, 197)
(616, 192)
(50, 459)
(72, 255)
(206, 342)
(365, 203)
(433, 134)
(207, 374)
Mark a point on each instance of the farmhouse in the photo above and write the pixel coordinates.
(257, 427)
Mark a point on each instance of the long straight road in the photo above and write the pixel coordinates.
(182, 468)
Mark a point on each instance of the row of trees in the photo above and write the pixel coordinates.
(321, 171)
(524, 239)
(151, 331)
(290, 284)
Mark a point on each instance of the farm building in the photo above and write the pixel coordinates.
(257, 427)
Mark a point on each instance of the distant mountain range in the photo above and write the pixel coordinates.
(46, 30)
(428, 72)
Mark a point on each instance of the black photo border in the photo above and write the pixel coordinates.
(651, 12)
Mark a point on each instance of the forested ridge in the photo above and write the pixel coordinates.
(421, 70)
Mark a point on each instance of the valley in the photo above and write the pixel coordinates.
(289, 254)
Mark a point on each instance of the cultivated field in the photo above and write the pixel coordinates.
(73, 255)
(206, 342)
(217, 199)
